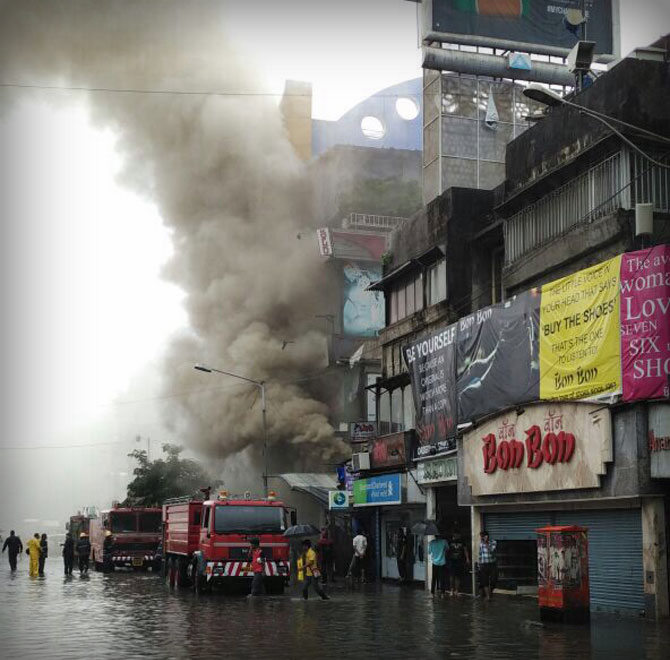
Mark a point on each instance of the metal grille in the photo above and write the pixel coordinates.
(615, 549)
(370, 221)
(618, 182)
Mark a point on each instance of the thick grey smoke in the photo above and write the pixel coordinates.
(228, 186)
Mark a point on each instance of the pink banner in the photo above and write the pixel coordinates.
(645, 323)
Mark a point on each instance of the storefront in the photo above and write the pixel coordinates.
(393, 502)
(570, 464)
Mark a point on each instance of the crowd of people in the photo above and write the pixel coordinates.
(450, 561)
(37, 549)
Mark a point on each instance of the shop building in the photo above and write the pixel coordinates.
(387, 502)
(572, 464)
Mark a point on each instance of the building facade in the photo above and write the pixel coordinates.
(514, 441)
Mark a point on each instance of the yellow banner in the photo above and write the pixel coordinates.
(580, 347)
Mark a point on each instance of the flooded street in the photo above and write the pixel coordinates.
(128, 615)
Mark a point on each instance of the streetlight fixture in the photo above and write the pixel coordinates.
(261, 386)
(549, 97)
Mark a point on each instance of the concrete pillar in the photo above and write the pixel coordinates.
(431, 513)
(476, 528)
(655, 557)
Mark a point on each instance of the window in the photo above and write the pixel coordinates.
(384, 413)
(406, 297)
(437, 282)
(396, 410)
(401, 303)
(150, 522)
(409, 297)
(418, 292)
(408, 408)
(394, 306)
(196, 517)
(205, 518)
(248, 519)
(123, 522)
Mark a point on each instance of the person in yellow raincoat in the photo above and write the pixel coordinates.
(308, 573)
(33, 549)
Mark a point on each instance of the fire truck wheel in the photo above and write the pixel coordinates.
(181, 570)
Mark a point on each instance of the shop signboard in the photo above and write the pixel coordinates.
(659, 440)
(580, 347)
(377, 490)
(439, 469)
(645, 323)
(431, 362)
(362, 431)
(497, 363)
(545, 447)
(600, 332)
(388, 451)
(325, 244)
(543, 22)
(338, 499)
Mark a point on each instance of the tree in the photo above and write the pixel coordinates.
(156, 481)
(391, 196)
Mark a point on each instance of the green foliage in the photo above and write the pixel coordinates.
(392, 196)
(156, 481)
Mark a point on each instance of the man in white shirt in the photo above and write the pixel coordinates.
(357, 567)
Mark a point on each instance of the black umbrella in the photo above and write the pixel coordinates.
(301, 531)
(419, 528)
(425, 528)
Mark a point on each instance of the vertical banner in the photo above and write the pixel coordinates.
(645, 323)
(497, 356)
(431, 362)
(580, 347)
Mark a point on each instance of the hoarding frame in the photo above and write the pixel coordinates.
(428, 36)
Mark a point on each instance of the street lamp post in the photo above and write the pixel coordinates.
(261, 386)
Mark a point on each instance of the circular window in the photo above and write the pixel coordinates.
(372, 128)
(407, 108)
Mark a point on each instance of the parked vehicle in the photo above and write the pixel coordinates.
(126, 536)
(78, 524)
(207, 542)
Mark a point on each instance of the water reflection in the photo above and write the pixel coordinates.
(135, 615)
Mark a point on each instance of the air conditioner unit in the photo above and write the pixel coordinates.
(360, 461)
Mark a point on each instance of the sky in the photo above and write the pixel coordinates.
(90, 311)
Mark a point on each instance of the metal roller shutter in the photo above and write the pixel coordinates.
(516, 526)
(615, 556)
(615, 549)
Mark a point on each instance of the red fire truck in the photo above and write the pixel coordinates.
(206, 542)
(134, 535)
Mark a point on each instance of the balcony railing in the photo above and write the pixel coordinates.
(618, 182)
(370, 221)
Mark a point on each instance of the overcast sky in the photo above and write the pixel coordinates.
(89, 323)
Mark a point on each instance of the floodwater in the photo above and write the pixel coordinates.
(135, 615)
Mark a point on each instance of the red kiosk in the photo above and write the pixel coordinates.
(563, 573)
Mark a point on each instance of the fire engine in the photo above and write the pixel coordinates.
(132, 541)
(207, 542)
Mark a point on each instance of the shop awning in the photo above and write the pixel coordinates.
(424, 260)
(311, 483)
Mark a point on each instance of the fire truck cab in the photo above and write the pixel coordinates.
(207, 542)
(125, 536)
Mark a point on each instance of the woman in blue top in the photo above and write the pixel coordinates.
(437, 551)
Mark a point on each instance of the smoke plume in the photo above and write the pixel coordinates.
(229, 188)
